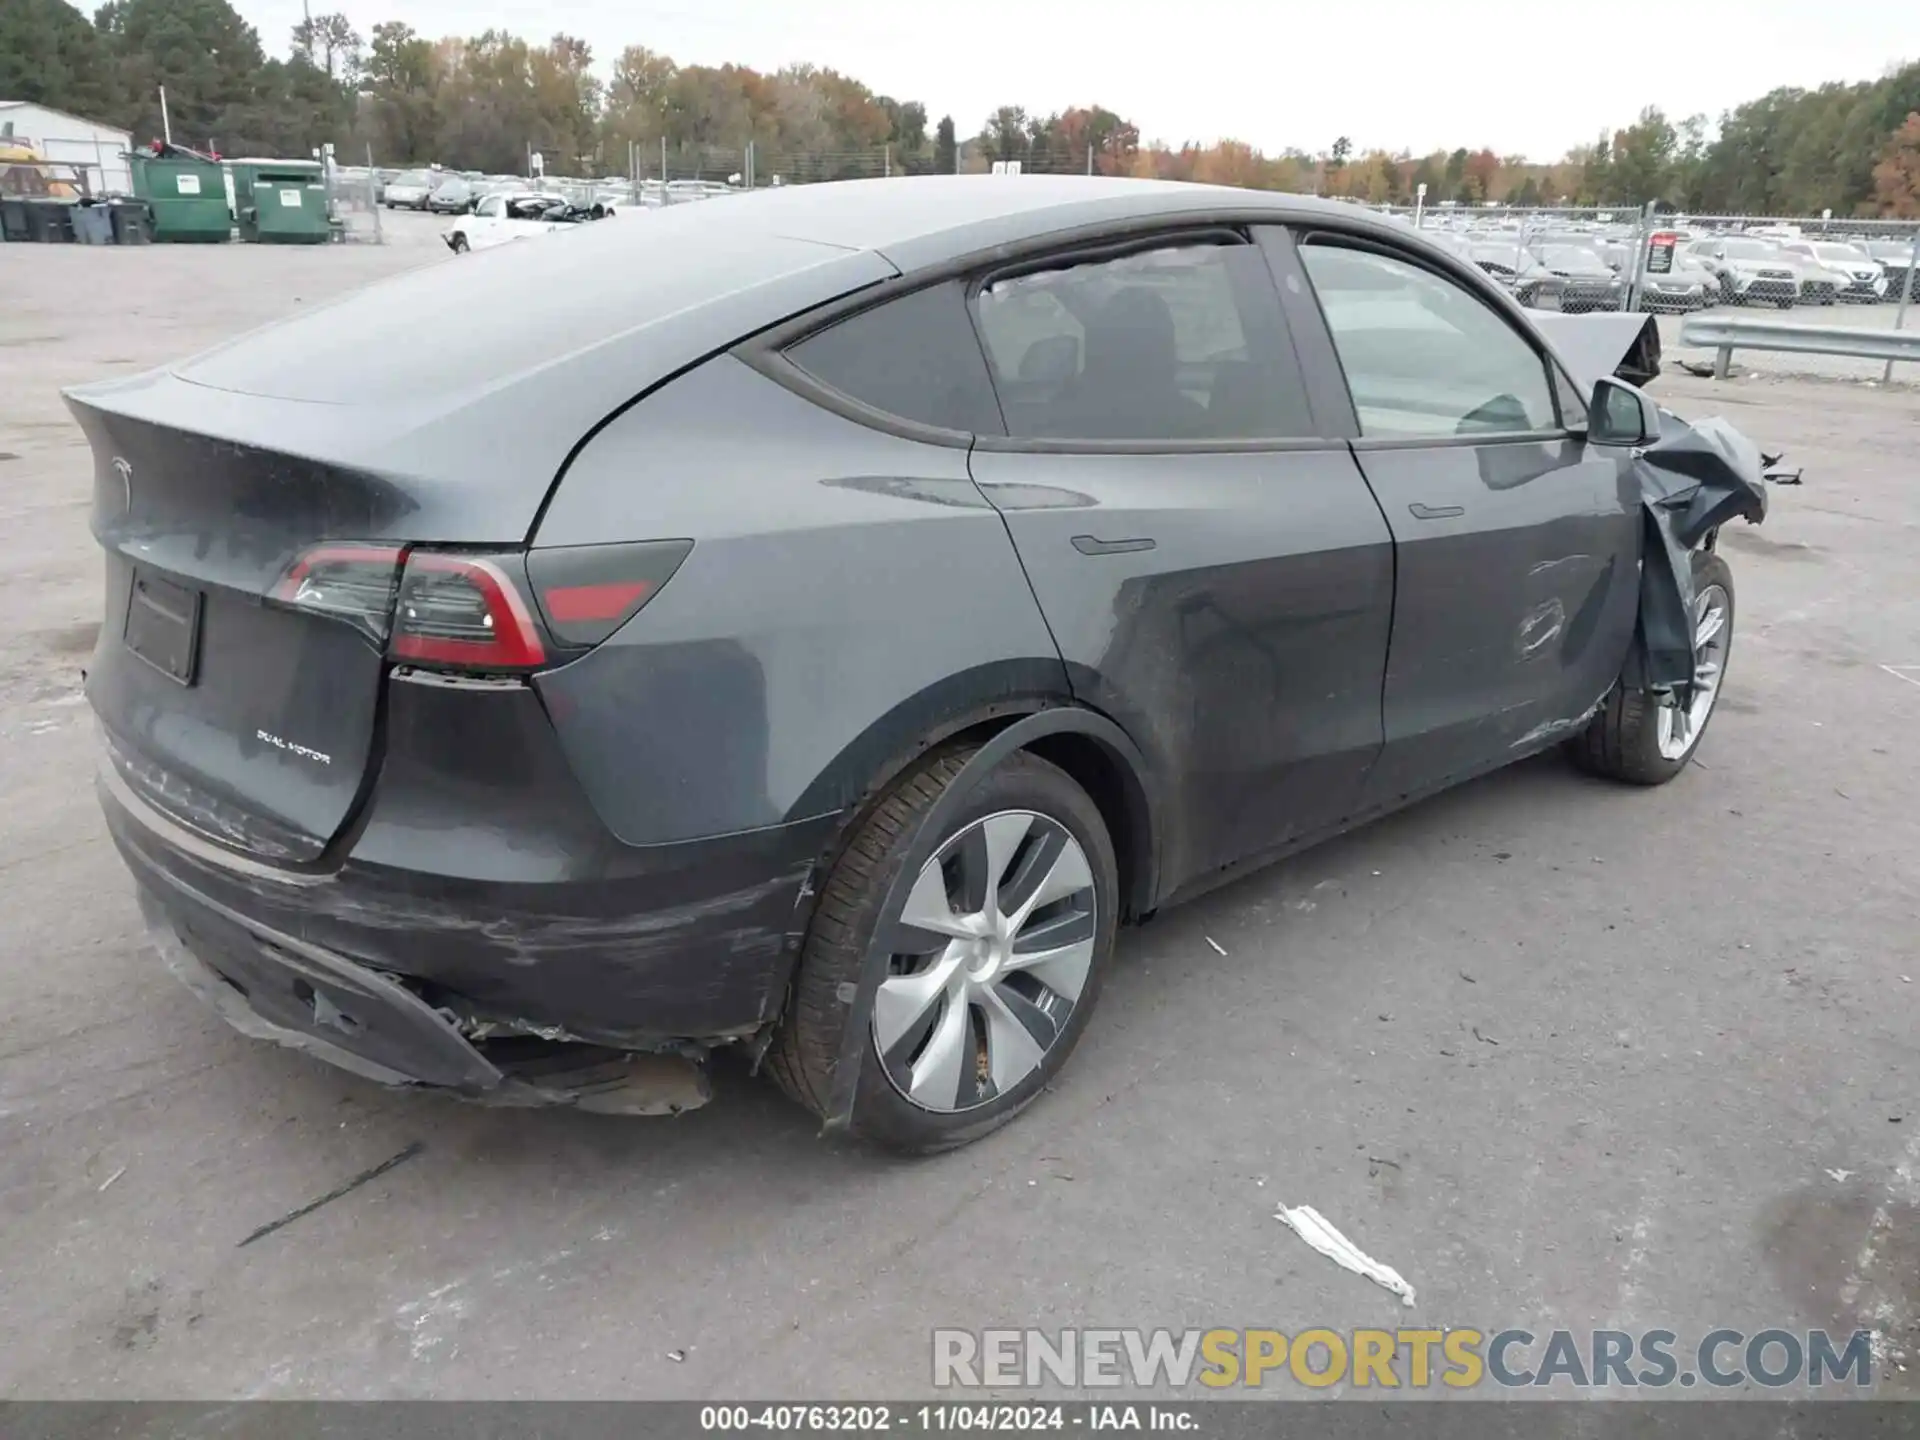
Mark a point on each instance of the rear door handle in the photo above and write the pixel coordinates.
(1088, 545)
(1436, 512)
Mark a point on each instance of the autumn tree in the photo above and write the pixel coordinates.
(1896, 179)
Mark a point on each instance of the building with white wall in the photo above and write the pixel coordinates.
(97, 151)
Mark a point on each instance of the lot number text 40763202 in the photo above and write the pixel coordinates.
(946, 1417)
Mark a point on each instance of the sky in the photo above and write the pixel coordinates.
(1531, 79)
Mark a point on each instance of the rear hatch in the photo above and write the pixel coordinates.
(257, 504)
(244, 717)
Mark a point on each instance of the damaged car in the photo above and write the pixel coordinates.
(506, 216)
(840, 615)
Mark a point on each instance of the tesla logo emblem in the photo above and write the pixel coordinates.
(126, 481)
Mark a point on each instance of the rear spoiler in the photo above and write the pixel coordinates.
(1595, 346)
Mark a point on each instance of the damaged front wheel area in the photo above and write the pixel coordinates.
(1646, 737)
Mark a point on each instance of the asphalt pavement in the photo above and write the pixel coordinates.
(1561, 1053)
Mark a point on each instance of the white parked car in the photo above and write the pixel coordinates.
(518, 215)
(1861, 277)
(409, 189)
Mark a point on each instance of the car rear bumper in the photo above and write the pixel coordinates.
(686, 947)
(353, 1018)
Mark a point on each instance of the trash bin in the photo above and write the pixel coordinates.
(13, 219)
(92, 224)
(280, 202)
(50, 222)
(131, 223)
(186, 195)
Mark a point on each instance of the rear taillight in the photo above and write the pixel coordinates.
(464, 612)
(354, 583)
(586, 592)
(451, 611)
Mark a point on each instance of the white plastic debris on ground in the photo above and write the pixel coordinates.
(1311, 1226)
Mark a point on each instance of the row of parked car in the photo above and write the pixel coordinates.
(1585, 270)
(448, 192)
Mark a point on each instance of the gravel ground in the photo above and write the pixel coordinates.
(1564, 1054)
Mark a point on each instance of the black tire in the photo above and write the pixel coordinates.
(807, 1047)
(460, 246)
(1622, 740)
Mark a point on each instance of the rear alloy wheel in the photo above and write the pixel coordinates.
(1646, 738)
(995, 946)
(993, 955)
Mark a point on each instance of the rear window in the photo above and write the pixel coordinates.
(1577, 261)
(916, 358)
(1181, 343)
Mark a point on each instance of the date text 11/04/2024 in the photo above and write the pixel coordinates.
(948, 1417)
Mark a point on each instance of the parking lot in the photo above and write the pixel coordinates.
(1563, 1054)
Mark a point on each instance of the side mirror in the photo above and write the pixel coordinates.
(1621, 415)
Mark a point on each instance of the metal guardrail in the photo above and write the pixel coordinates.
(1726, 333)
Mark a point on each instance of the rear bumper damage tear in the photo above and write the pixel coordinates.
(416, 1045)
(1693, 480)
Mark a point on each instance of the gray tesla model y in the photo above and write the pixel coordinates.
(814, 623)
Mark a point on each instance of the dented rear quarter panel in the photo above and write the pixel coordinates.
(848, 592)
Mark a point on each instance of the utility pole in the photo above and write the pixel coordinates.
(1089, 159)
(166, 125)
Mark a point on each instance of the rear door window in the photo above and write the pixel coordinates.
(1184, 342)
(915, 357)
(1423, 356)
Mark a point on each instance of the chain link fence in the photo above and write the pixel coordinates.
(1599, 258)
(1574, 259)
(353, 204)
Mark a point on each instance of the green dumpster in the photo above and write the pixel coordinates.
(186, 194)
(280, 202)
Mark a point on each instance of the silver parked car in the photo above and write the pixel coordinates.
(1858, 275)
(1752, 272)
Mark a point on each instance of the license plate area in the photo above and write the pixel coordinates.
(163, 625)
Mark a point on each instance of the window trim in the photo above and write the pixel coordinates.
(1498, 303)
(765, 351)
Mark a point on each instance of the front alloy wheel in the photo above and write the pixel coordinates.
(991, 954)
(1646, 737)
(1675, 726)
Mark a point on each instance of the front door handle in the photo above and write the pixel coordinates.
(1088, 545)
(1436, 512)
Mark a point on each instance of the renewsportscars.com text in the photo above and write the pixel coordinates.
(1458, 1359)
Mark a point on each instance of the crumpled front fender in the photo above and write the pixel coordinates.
(1695, 478)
